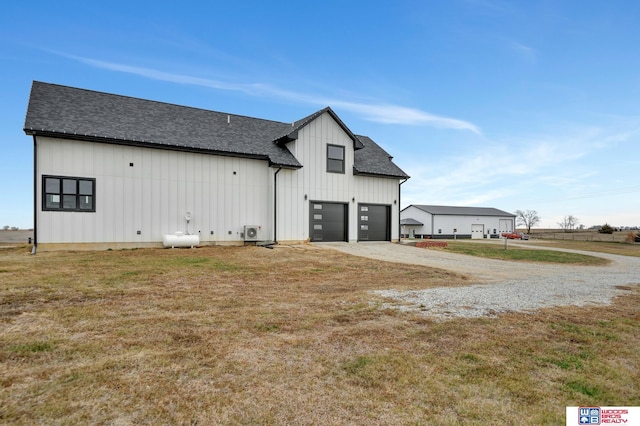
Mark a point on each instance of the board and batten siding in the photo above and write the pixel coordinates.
(152, 196)
(314, 182)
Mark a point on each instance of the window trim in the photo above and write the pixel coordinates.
(61, 194)
(330, 159)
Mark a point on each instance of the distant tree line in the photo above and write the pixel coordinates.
(10, 228)
(569, 223)
(530, 218)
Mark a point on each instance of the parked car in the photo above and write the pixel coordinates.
(515, 235)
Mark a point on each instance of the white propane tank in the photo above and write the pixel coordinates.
(180, 240)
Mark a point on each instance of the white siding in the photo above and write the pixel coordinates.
(314, 182)
(447, 223)
(421, 216)
(222, 193)
(464, 224)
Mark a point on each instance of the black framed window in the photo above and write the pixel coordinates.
(62, 193)
(335, 159)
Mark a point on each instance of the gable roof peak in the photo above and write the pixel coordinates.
(297, 125)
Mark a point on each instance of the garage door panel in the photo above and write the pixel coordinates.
(374, 223)
(328, 221)
(505, 225)
(477, 231)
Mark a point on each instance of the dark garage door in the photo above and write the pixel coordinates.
(374, 222)
(328, 221)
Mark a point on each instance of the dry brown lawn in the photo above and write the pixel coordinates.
(246, 335)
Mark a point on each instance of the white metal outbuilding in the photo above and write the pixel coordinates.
(428, 221)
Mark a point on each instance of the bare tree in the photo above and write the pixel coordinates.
(568, 223)
(527, 218)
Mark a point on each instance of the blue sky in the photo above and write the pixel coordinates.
(507, 104)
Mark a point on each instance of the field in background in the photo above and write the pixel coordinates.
(586, 235)
(15, 237)
(246, 335)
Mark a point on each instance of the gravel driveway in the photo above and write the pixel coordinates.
(500, 286)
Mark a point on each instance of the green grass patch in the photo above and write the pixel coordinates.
(584, 388)
(268, 327)
(494, 251)
(35, 347)
(568, 361)
(356, 366)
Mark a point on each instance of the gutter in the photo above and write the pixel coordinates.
(35, 196)
(400, 204)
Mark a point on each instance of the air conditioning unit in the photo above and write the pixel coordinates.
(251, 232)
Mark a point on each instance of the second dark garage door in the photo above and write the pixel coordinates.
(374, 222)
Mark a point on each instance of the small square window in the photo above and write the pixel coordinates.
(69, 186)
(86, 187)
(85, 202)
(69, 202)
(52, 201)
(52, 185)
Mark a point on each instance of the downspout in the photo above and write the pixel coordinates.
(275, 206)
(35, 196)
(399, 208)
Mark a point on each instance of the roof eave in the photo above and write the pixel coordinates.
(148, 144)
(383, 175)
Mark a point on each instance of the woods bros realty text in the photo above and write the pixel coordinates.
(603, 415)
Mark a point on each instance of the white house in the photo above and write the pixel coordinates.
(423, 221)
(112, 171)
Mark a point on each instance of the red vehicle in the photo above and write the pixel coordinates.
(515, 235)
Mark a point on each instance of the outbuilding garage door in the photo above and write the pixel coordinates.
(374, 222)
(328, 221)
(506, 225)
(477, 231)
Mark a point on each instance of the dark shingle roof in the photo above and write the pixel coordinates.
(461, 211)
(82, 114)
(62, 111)
(373, 160)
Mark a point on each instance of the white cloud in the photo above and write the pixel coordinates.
(525, 52)
(394, 114)
(377, 112)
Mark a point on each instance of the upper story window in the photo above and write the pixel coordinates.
(335, 159)
(68, 194)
